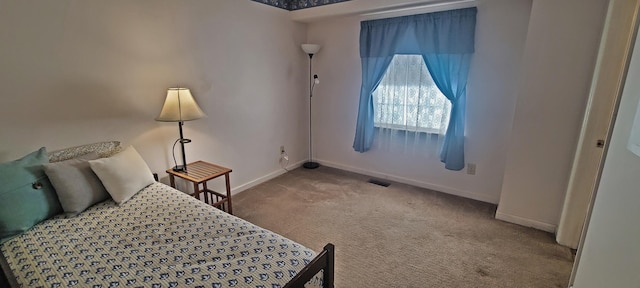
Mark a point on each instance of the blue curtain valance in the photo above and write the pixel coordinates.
(446, 32)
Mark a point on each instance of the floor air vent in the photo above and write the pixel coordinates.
(379, 182)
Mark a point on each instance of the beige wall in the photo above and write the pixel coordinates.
(559, 60)
(76, 72)
(500, 38)
(528, 86)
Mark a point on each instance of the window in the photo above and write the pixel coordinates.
(408, 99)
(445, 40)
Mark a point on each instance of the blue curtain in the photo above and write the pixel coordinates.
(373, 70)
(446, 42)
(378, 42)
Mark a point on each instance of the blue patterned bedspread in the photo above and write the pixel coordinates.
(159, 238)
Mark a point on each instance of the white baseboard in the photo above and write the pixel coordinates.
(265, 178)
(499, 215)
(465, 194)
(526, 222)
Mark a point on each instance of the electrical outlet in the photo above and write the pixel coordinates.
(471, 168)
(282, 149)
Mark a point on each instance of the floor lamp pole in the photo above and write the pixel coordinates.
(310, 164)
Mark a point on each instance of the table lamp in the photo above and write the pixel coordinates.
(179, 107)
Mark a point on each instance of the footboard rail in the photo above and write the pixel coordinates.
(323, 262)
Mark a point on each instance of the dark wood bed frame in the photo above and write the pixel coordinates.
(3, 280)
(323, 262)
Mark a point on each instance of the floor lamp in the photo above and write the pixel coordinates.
(311, 49)
(179, 106)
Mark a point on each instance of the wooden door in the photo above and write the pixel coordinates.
(611, 67)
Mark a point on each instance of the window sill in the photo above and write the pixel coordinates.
(401, 130)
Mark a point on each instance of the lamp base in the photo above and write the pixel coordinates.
(180, 168)
(311, 165)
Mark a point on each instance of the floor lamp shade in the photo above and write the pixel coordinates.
(179, 106)
(310, 48)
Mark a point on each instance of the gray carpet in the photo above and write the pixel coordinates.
(403, 236)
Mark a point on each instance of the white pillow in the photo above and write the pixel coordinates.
(78, 188)
(123, 174)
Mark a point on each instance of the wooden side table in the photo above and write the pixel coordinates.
(200, 172)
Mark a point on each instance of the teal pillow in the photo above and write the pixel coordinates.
(26, 195)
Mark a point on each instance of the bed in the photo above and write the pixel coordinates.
(160, 237)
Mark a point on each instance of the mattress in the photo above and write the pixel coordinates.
(159, 238)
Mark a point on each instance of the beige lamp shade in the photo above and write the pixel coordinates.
(310, 48)
(180, 106)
